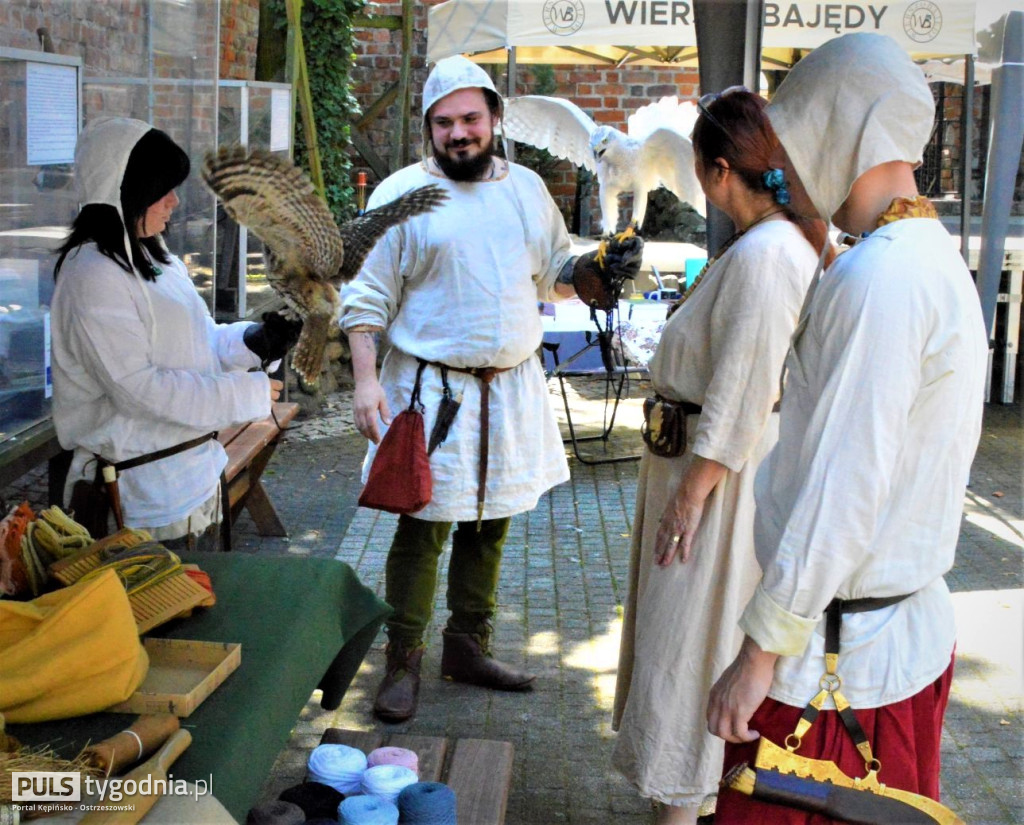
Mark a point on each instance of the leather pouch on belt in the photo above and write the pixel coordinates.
(664, 427)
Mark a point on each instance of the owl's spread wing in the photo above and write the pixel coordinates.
(667, 113)
(666, 158)
(360, 234)
(551, 123)
(275, 199)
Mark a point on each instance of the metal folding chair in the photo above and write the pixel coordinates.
(617, 375)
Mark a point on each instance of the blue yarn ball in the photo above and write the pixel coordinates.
(427, 803)
(367, 810)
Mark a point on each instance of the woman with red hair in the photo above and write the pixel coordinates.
(716, 373)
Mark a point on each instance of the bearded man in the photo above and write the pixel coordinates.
(457, 291)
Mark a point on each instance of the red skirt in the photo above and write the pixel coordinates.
(904, 737)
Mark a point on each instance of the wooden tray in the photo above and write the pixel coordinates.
(182, 673)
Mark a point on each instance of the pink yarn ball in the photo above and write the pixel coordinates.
(394, 756)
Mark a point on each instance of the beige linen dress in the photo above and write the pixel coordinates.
(723, 349)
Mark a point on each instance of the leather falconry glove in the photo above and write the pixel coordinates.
(272, 337)
(598, 276)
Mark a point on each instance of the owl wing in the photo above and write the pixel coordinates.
(667, 113)
(275, 199)
(360, 234)
(666, 158)
(551, 123)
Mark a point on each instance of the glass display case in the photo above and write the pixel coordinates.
(153, 60)
(40, 100)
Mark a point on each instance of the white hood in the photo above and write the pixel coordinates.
(101, 156)
(452, 74)
(853, 103)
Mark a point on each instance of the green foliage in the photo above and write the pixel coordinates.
(327, 38)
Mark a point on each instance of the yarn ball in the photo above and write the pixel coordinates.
(316, 799)
(387, 781)
(394, 756)
(339, 766)
(427, 803)
(367, 810)
(275, 813)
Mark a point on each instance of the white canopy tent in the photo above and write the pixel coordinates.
(663, 31)
(943, 35)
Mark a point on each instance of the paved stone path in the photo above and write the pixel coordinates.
(561, 592)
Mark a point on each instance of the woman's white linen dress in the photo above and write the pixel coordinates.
(723, 349)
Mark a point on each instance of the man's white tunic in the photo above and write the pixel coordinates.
(863, 493)
(460, 286)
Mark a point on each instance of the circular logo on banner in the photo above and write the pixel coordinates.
(563, 17)
(922, 21)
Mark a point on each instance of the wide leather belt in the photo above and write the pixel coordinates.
(485, 376)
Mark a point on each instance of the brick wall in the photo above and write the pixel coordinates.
(609, 95)
(239, 33)
(109, 37)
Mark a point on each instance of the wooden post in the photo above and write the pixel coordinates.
(301, 93)
(400, 155)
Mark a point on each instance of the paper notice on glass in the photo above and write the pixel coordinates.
(51, 104)
(280, 119)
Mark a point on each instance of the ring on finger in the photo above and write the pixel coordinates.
(676, 539)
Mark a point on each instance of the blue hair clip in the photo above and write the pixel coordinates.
(774, 179)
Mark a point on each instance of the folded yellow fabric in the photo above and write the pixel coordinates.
(70, 652)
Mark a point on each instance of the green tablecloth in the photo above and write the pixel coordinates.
(292, 617)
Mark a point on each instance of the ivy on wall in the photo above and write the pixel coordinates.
(327, 37)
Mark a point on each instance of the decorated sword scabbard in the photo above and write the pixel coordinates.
(826, 789)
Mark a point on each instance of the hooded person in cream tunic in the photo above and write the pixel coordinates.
(881, 415)
(692, 565)
(139, 365)
(459, 289)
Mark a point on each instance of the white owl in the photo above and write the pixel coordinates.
(656, 152)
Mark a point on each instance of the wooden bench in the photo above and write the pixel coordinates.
(478, 770)
(249, 448)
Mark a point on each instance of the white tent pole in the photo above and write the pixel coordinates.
(966, 157)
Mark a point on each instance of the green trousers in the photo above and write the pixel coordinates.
(411, 575)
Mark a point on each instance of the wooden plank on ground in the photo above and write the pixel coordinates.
(480, 773)
(430, 750)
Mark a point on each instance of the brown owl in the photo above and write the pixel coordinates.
(308, 255)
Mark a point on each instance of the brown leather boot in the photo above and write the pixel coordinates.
(400, 688)
(466, 658)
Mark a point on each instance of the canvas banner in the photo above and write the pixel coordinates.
(464, 26)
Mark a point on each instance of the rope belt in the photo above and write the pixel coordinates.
(485, 375)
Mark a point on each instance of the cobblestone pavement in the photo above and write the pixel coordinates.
(561, 592)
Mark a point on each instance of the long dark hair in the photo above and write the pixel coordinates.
(739, 131)
(155, 166)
